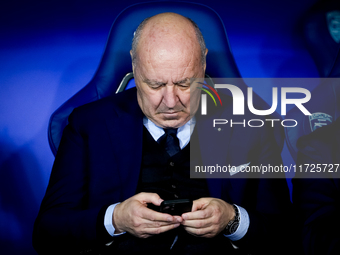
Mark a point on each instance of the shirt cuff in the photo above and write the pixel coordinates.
(108, 221)
(242, 227)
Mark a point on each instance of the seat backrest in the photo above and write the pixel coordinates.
(322, 35)
(116, 62)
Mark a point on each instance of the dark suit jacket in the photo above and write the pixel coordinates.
(98, 164)
(317, 195)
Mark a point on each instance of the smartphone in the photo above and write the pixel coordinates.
(176, 207)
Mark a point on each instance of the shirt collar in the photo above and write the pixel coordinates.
(183, 133)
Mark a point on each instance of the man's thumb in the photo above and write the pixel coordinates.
(153, 198)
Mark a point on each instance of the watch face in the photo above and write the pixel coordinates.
(233, 224)
(234, 227)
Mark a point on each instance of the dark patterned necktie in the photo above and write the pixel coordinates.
(170, 141)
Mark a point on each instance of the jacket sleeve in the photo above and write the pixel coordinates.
(65, 224)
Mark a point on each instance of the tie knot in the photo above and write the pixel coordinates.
(171, 131)
(169, 141)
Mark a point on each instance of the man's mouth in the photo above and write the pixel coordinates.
(169, 115)
(170, 112)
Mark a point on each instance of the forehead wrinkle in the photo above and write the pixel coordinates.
(152, 82)
(182, 81)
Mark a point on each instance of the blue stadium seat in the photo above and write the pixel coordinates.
(116, 62)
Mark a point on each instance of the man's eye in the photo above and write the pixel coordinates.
(156, 86)
(184, 85)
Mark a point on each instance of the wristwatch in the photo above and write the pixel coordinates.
(234, 223)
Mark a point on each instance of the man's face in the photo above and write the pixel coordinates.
(162, 74)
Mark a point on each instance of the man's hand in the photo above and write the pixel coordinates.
(209, 216)
(134, 217)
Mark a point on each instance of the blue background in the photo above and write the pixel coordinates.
(50, 49)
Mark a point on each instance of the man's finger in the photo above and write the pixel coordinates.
(201, 232)
(202, 223)
(152, 215)
(145, 198)
(161, 229)
(201, 214)
(151, 227)
(147, 232)
(199, 204)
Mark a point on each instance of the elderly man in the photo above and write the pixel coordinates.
(112, 164)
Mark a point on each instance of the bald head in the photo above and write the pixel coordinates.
(167, 55)
(168, 26)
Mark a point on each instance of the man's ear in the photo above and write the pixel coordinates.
(205, 63)
(133, 66)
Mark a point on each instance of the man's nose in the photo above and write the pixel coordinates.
(170, 96)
